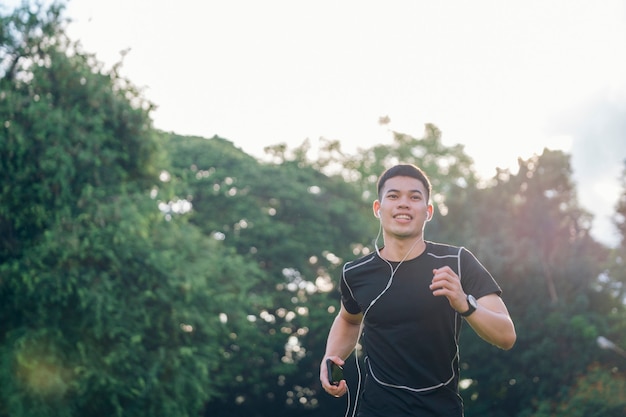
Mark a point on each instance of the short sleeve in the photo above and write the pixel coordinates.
(347, 299)
(475, 278)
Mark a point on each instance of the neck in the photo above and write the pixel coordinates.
(396, 250)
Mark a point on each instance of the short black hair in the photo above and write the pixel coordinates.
(404, 170)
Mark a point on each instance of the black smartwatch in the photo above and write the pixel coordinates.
(473, 305)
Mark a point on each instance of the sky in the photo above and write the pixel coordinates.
(506, 79)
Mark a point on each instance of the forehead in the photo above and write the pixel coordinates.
(403, 184)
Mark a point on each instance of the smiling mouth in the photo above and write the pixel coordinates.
(402, 217)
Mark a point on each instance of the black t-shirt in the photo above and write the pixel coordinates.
(411, 337)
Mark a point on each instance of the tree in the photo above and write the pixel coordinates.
(54, 97)
(297, 225)
(532, 235)
(107, 308)
(597, 393)
(616, 279)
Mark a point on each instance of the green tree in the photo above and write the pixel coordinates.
(67, 126)
(597, 393)
(448, 167)
(616, 281)
(297, 225)
(107, 308)
(532, 235)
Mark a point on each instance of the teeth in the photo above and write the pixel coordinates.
(403, 216)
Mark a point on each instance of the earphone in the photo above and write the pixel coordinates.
(356, 349)
(428, 217)
(418, 390)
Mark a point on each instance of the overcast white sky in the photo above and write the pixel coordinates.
(506, 78)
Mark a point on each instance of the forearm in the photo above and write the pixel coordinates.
(492, 322)
(342, 338)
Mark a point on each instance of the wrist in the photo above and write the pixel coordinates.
(472, 305)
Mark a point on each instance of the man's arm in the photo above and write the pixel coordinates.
(342, 338)
(491, 320)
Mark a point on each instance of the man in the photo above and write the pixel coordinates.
(408, 300)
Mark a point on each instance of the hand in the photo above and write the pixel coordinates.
(447, 283)
(334, 390)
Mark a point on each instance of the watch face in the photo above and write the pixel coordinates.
(472, 301)
(473, 305)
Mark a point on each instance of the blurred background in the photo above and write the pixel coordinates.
(181, 184)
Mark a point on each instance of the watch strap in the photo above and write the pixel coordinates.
(471, 309)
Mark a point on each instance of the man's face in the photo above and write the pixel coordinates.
(403, 207)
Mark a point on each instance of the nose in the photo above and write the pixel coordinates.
(403, 202)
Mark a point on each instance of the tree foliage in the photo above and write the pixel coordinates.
(531, 233)
(107, 308)
(68, 128)
(147, 273)
(295, 224)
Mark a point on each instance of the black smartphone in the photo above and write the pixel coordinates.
(335, 372)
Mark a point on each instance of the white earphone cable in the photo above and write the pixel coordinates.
(389, 282)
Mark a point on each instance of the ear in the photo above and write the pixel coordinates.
(430, 212)
(376, 209)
